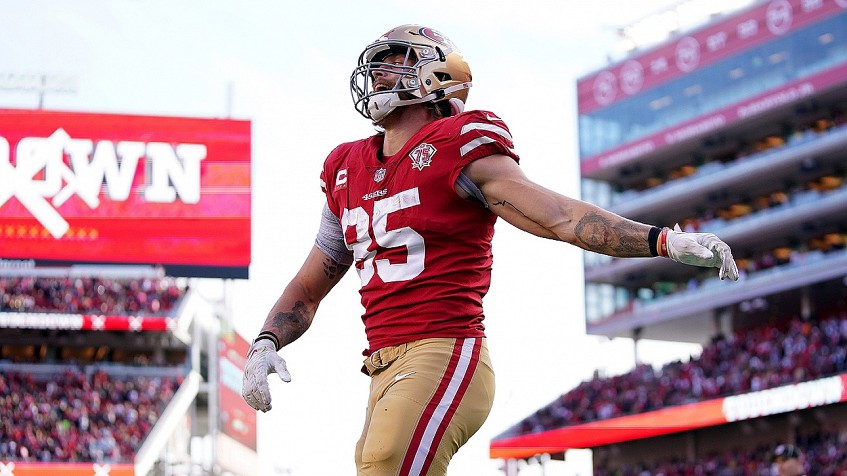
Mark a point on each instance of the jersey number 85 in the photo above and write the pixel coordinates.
(375, 226)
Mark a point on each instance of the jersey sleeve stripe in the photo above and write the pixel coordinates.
(474, 144)
(482, 134)
(481, 126)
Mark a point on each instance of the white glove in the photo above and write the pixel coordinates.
(701, 249)
(262, 360)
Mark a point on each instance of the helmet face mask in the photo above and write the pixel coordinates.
(433, 71)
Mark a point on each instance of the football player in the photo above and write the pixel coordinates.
(412, 209)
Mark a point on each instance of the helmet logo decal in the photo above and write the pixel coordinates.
(435, 36)
(422, 156)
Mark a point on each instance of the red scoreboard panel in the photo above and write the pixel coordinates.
(85, 188)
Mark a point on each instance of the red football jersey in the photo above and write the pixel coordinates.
(423, 253)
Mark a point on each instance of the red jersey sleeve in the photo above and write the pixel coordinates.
(481, 134)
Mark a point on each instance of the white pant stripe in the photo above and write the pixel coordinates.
(443, 406)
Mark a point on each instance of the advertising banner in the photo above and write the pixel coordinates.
(702, 125)
(12, 468)
(85, 322)
(759, 24)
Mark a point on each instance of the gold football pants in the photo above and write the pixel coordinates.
(427, 398)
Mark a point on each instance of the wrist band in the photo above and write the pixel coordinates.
(269, 336)
(663, 242)
(653, 240)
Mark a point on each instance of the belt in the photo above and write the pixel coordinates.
(382, 358)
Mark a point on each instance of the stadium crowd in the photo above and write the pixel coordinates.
(825, 455)
(90, 295)
(79, 417)
(745, 361)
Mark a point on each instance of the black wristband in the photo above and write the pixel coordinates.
(269, 336)
(653, 240)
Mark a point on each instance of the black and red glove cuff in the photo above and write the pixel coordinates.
(269, 336)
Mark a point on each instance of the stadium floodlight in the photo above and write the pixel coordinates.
(39, 82)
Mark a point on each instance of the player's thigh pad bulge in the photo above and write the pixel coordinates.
(393, 421)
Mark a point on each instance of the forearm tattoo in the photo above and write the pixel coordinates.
(289, 326)
(622, 238)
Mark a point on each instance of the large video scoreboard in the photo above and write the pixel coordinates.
(84, 188)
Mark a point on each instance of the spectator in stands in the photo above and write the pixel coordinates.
(788, 460)
(90, 295)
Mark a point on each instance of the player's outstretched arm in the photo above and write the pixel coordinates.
(543, 212)
(293, 312)
(289, 318)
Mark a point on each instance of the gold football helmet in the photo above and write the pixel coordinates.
(434, 71)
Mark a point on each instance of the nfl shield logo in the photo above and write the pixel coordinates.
(422, 156)
(379, 176)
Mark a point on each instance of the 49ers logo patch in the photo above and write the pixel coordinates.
(422, 156)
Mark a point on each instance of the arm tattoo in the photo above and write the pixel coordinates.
(623, 238)
(331, 268)
(289, 326)
(506, 203)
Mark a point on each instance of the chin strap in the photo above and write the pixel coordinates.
(380, 106)
(440, 94)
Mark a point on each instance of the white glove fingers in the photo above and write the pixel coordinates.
(282, 370)
(256, 392)
(702, 249)
(716, 244)
(264, 395)
(262, 360)
(695, 249)
(729, 269)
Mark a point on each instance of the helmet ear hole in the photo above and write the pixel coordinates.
(442, 76)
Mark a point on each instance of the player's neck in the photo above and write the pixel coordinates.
(401, 125)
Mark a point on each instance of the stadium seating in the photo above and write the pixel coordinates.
(825, 455)
(79, 415)
(89, 295)
(745, 361)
